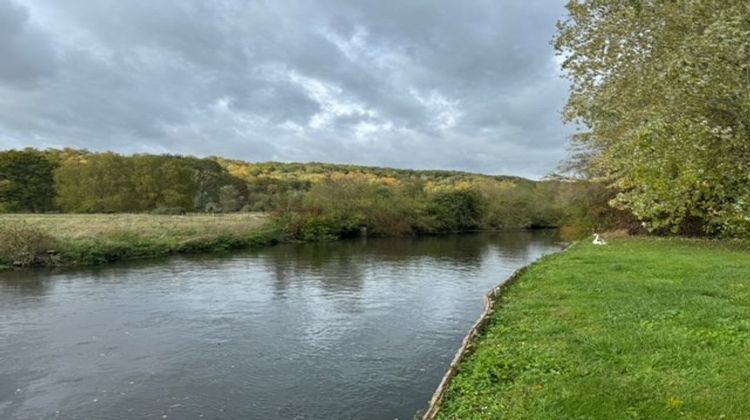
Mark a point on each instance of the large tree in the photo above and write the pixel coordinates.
(109, 182)
(26, 181)
(662, 91)
(97, 182)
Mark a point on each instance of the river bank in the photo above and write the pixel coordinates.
(92, 239)
(644, 328)
(52, 240)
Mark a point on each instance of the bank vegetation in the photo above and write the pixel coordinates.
(89, 239)
(154, 205)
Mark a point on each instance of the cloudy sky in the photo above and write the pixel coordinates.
(469, 85)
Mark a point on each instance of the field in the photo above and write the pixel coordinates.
(76, 226)
(31, 239)
(640, 328)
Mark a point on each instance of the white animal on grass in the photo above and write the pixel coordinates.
(598, 240)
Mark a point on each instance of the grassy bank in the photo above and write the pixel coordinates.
(640, 328)
(86, 239)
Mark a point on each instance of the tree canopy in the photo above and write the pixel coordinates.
(26, 181)
(662, 91)
(109, 182)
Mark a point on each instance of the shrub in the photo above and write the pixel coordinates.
(347, 207)
(24, 245)
(457, 210)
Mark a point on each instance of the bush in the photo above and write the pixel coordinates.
(348, 207)
(341, 207)
(24, 245)
(457, 210)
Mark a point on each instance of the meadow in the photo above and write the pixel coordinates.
(64, 239)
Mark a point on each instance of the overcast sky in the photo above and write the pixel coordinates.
(467, 85)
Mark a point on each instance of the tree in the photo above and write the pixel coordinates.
(26, 181)
(458, 209)
(98, 182)
(229, 198)
(662, 90)
(163, 182)
(208, 176)
(109, 182)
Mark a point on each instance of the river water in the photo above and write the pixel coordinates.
(360, 329)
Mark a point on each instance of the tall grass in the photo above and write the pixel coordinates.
(22, 244)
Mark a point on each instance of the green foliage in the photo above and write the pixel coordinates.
(110, 183)
(26, 181)
(229, 198)
(23, 245)
(97, 183)
(645, 329)
(456, 210)
(314, 200)
(355, 205)
(664, 90)
(344, 207)
(588, 211)
(210, 177)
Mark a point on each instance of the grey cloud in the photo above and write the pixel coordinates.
(426, 84)
(25, 53)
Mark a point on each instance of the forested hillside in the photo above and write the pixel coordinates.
(312, 199)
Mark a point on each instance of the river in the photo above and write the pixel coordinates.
(360, 329)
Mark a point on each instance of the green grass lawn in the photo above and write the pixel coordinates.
(640, 328)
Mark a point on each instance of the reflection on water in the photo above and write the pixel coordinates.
(353, 329)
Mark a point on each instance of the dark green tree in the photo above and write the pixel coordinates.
(26, 181)
(458, 209)
(229, 198)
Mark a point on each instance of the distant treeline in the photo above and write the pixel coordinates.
(311, 200)
(75, 181)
